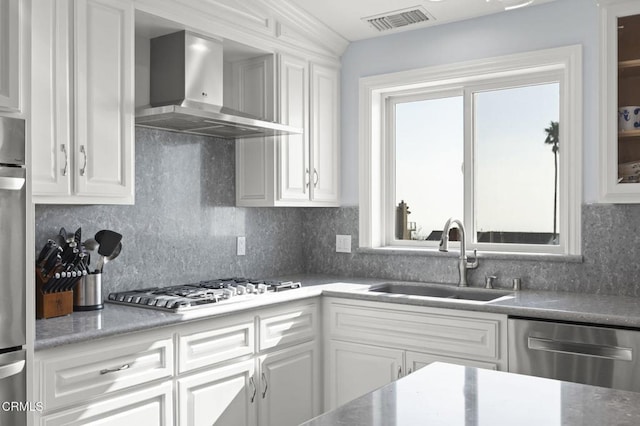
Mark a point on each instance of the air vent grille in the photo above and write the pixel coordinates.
(398, 18)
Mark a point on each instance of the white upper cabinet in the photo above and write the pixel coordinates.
(620, 102)
(325, 133)
(293, 159)
(297, 169)
(10, 50)
(83, 97)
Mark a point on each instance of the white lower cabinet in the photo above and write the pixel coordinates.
(224, 396)
(355, 369)
(370, 344)
(277, 389)
(152, 406)
(291, 391)
(256, 368)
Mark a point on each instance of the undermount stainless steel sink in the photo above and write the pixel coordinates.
(441, 291)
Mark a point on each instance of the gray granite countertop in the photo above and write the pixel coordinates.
(446, 394)
(562, 306)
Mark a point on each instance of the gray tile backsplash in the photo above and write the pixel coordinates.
(184, 224)
(610, 235)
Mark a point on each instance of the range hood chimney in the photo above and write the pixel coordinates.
(186, 92)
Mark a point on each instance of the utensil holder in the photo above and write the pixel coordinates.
(50, 305)
(87, 296)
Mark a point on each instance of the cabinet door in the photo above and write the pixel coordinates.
(253, 88)
(150, 406)
(293, 152)
(10, 50)
(225, 396)
(290, 386)
(620, 101)
(324, 133)
(104, 98)
(52, 153)
(354, 370)
(417, 360)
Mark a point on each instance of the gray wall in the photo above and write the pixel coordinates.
(184, 223)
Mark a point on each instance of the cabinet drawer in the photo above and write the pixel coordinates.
(149, 406)
(215, 341)
(437, 331)
(80, 372)
(293, 324)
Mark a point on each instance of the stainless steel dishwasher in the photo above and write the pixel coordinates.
(591, 355)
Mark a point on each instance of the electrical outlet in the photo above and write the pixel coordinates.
(241, 246)
(343, 243)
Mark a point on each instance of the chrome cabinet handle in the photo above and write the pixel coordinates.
(266, 386)
(114, 370)
(307, 178)
(65, 170)
(12, 369)
(316, 178)
(399, 372)
(255, 389)
(84, 167)
(576, 348)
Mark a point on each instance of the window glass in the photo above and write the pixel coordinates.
(429, 155)
(517, 165)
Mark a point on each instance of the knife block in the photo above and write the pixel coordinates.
(50, 305)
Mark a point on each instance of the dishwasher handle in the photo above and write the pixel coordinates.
(577, 348)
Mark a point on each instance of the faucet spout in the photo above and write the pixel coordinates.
(463, 263)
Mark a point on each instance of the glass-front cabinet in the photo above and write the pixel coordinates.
(620, 101)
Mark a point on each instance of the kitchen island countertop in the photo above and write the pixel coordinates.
(615, 311)
(446, 394)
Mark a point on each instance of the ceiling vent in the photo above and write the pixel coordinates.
(399, 18)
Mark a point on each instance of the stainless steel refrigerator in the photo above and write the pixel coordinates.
(13, 404)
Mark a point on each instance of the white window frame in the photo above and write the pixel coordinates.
(377, 153)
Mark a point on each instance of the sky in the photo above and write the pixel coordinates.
(514, 176)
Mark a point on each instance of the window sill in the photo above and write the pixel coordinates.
(431, 252)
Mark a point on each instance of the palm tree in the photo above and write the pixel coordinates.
(552, 139)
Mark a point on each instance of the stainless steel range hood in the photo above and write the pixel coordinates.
(186, 92)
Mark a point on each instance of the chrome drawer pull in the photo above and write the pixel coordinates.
(63, 148)
(576, 348)
(84, 167)
(266, 386)
(255, 389)
(114, 370)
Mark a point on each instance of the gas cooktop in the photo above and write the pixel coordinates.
(186, 297)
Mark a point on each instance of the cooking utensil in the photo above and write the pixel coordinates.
(91, 244)
(77, 237)
(108, 241)
(112, 256)
(45, 251)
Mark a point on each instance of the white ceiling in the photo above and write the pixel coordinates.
(345, 16)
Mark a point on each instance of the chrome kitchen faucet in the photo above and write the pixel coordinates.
(463, 264)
